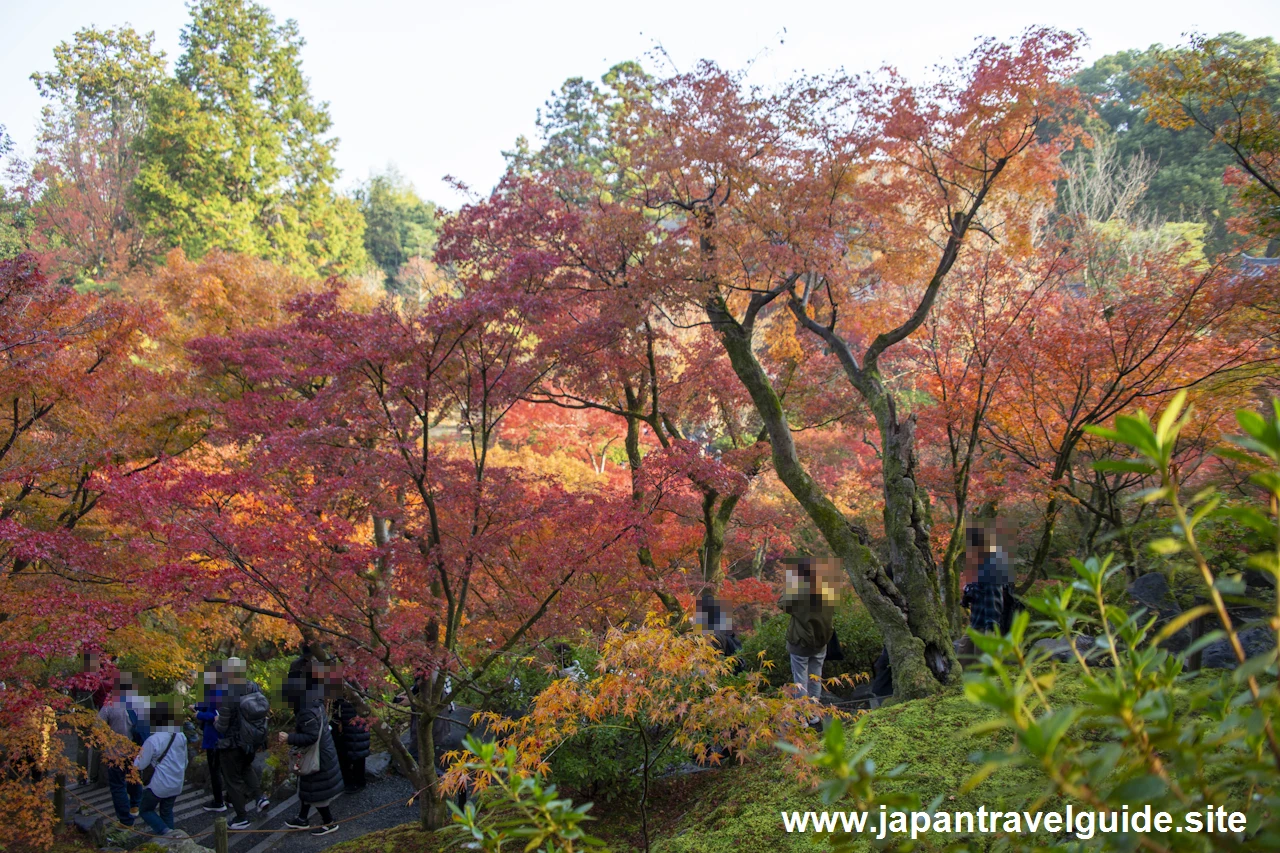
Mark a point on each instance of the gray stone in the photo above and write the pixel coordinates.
(94, 826)
(377, 765)
(283, 791)
(1254, 579)
(1059, 649)
(198, 771)
(1220, 655)
(1152, 592)
(178, 841)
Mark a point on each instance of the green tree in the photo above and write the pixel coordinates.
(398, 225)
(580, 124)
(13, 212)
(1228, 88)
(80, 186)
(1188, 181)
(235, 154)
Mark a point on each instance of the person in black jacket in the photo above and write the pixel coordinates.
(351, 736)
(311, 725)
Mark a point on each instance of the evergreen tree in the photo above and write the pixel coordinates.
(398, 224)
(1188, 182)
(235, 152)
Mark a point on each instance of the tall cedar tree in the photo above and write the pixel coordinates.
(235, 155)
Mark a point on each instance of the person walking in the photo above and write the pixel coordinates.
(164, 754)
(323, 783)
(810, 601)
(207, 714)
(241, 724)
(123, 713)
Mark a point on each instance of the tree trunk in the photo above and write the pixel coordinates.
(907, 523)
(675, 613)
(912, 657)
(714, 521)
(1049, 521)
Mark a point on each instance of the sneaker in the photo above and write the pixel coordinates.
(325, 830)
(133, 811)
(297, 823)
(263, 804)
(239, 823)
(215, 807)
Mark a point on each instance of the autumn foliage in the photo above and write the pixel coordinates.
(843, 315)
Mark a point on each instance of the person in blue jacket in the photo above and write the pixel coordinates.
(206, 713)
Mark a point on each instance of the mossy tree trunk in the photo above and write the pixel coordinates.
(921, 663)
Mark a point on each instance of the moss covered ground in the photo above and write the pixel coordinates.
(738, 809)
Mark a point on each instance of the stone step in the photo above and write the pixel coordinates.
(262, 843)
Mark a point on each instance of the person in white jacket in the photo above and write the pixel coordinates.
(166, 752)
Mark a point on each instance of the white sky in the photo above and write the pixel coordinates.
(442, 88)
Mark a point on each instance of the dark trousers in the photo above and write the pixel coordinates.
(352, 771)
(157, 812)
(124, 795)
(214, 757)
(243, 784)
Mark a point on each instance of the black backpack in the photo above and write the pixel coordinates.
(252, 711)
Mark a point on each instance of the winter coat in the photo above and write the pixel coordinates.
(206, 713)
(226, 718)
(326, 783)
(812, 618)
(350, 735)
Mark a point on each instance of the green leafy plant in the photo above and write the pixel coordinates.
(1145, 731)
(521, 811)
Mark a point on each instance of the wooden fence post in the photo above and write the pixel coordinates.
(220, 835)
(60, 798)
(1197, 631)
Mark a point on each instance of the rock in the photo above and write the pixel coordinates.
(1254, 579)
(1220, 655)
(1152, 592)
(94, 826)
(1059, 649)
(179, 842)
(377, 765)
(283, 791)
(198, 771)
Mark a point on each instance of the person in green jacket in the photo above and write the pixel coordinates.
(810, 600)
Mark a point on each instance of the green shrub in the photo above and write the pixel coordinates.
(1144, 733)
(511, 683)
(601, 762)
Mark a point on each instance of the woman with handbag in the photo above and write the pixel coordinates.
(163, 762)
(319, 775)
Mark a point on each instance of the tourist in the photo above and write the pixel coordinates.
(207, 713)
(124, 712)
(165, 754)
(323, 783)
(809, 599)
(241, 723)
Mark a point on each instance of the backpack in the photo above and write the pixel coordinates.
(1012, 604)
(251, 732)
(139, 731)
